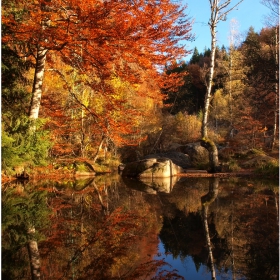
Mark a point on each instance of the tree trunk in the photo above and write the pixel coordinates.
(219, 11)
(205, 141)
(37, 83)
(98, 149)
(213, 154)
(208, 95)
(276, 93)
(34, 255)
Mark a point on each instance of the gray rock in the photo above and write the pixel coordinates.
(196, 152)
(152, 168)
(177, 158)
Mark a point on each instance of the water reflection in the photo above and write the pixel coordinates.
(24, 218)
(108, 228)
(152, 185)
(233, 226)
(206, 201)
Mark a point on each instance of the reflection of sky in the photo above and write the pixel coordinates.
(186, 267)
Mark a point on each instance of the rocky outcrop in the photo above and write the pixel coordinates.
(176, 157)
(155, 167)
(197, 154)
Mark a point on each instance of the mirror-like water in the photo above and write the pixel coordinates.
(108, 227)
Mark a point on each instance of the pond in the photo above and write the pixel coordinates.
(108, 227)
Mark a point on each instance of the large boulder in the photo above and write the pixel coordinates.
(152, 168)
(198, 154)
(177, 158)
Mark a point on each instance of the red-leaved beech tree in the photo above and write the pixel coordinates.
(99, 39)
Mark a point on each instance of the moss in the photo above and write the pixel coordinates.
(83, 167)
(208, 142)
(213, 153)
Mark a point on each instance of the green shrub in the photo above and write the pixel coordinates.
(22, 146)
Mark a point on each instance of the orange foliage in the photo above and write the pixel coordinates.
(102, 37)
(100, 40)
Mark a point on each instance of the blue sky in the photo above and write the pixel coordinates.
(249, 13)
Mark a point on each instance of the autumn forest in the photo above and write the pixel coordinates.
(107, 82)
(90, 87)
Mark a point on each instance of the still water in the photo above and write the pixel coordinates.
(108, 227)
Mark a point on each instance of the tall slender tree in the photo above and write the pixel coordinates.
(219, 11)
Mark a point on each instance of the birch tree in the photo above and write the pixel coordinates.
(219, 11)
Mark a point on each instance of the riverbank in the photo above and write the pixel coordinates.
(59, 176)
(65, 171)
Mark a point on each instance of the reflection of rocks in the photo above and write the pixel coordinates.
(156, 167)
(138, 185)
(161, 184)
(152, 185)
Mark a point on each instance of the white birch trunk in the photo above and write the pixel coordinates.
(212, 23)
(218, 13)
(99, 149)
(37, 84)
(205, 142)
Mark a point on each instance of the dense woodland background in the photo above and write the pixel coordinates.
(116, 88)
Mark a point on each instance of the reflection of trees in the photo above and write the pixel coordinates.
(206, 200)
(24, 216)
(83, 243)
(262, 248)
(246, 217)
(182, 236)
(242, 225)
